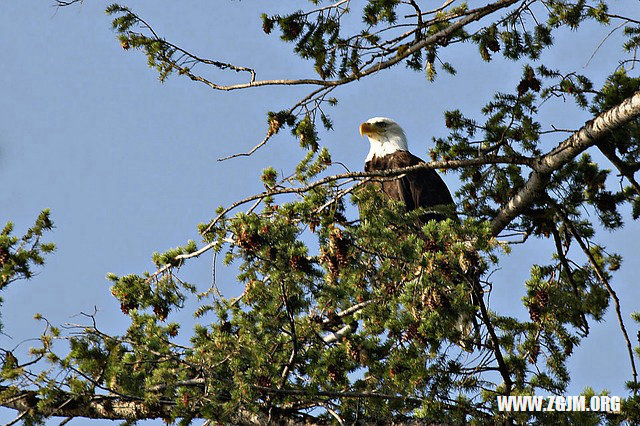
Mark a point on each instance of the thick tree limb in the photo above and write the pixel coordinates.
(114, 408)
(566, 151)
(334, 337)
(99, 407)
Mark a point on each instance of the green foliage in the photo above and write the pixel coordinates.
(633, 34)
(19, 255)
(158, 52)
(269, 176)
(487, 40)
(278, 119)
(380, 11)
(305, 130)
(575, 85)
(624, 140)
(361, 315)
(292, 296)
(314, 163)
(171, 255)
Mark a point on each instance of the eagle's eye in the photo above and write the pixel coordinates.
(381, 124)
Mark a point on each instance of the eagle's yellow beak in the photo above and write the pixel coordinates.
(366, 129)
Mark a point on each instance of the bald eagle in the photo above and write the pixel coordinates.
(389, 150)
(423, 188)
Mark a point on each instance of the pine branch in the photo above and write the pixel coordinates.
(625, 169)
(391, 173)
(586, 137)
(569, 273)
(603, 279)
(398, 56)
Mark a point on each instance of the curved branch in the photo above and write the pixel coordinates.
(441, 36)
(543, 167)
(603, 279)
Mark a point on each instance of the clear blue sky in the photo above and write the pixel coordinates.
(128, 165)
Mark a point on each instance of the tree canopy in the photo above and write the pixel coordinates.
(350, 317)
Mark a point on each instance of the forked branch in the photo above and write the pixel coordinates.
(603, 279)
(590, 134)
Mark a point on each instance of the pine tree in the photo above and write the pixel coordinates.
(352, 319)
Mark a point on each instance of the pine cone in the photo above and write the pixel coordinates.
(364, 357)
(353, 351)
(430, 246)
(161, 312)
(248, 240)
(391, 288)
(534, 313)
(125, 307)
(299, 263)
(274, 126)
(333, 373)
(533, 355)
(411, 332)
(493, 45)
(542, 298)
(4, 256)
(465, 263)
(264, 381)
(331, 263)
(339, 247)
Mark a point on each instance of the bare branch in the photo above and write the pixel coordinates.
(602, 42)
(444, 5)
(17, 419)
(61, 3)
(495, 341)
(329, 7)
(251, 151)
(625, 169)
(603, 279)
(317, 94)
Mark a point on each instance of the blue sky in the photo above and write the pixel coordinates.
(128, 164)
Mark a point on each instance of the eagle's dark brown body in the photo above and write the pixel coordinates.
(422, 188)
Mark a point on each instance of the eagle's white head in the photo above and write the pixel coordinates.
(385, 137)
